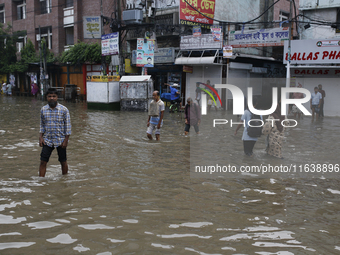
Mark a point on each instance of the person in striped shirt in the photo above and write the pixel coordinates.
(55, 130)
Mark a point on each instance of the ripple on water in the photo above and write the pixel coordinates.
(62, 238)
(191, 225)
(131, 221)
(43, 224)
(12, 245)
(95, 226)
(7, 219)
(157, 245)
(115, 240)
(80, 248)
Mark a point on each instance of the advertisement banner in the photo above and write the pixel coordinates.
(196, 31)
(189, 16)
(164, 55)
(258, 38)
(102, 78)
(227, 51)
(92, 27)
(188, 69)
(313, 51)
(205, 41)
(216, 32)
(110, 44)
(145, 52)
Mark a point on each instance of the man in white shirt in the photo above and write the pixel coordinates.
(315, 102)
(155, 123)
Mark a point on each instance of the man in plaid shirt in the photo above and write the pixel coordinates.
(55, 130)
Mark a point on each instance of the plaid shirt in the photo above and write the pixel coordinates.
(55, 124)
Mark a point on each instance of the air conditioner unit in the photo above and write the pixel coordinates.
(133, 16)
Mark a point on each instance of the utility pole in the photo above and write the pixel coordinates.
(289, 50)
(41, 68)
(118, 16)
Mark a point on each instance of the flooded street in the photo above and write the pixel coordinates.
(127, 195)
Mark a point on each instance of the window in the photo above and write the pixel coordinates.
(45, 6)
(21, 9)
(69, 32)
(21, 42)
(2, 13)
(46, 33)
(284, 16)
(68, 3)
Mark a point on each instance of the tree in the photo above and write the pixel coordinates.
(82, 53)
(7, 50)
(28, 55)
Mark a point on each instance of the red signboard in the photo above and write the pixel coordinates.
(189, 16)
(188, 69)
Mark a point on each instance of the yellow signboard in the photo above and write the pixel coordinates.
(103, 78)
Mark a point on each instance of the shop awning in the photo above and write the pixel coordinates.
(206, 57)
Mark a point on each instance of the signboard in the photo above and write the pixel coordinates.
(196, 31)
(227, 51)
(129, 68)
(145, 52)
(164, 55)
(258, 38)
(189, 16)
(110, 44)
(313, 52)
(315, 71)
(92, 27)
(188, 69)
(216, 32)
(102, 78)
(205, 41)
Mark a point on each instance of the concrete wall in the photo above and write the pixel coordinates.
(317, 31)
(318, 4)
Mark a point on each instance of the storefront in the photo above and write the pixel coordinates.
(315, 62)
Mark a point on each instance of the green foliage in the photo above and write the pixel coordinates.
(82, 53)
(28, 55)
(7, 50)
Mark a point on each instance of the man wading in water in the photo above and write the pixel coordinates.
(156, 122)
(55, 130)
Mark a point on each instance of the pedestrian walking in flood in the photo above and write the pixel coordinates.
(156, 122)
(55, 130)
(4, 87)
(323, 93)
(315, 102)
(192, 116)
(275, 133)
(250, 134)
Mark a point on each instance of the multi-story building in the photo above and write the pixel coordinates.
(315, 57)
(62, 23)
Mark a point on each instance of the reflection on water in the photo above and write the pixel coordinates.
(126, 195)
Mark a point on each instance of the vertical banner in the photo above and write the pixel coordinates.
(110, 44)
(196, 31)
(227, 51)
(145, 52)
(216, 32)
(189, 16)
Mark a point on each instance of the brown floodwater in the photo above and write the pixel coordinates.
(127, 195)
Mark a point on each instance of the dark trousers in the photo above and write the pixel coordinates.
(248, 147)
(321, 110)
